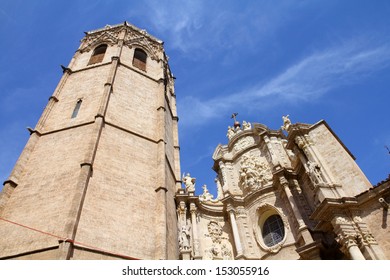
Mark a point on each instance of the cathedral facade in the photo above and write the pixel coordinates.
(292, 193)
(93, 183)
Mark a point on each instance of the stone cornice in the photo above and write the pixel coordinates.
(133, 37)
(331, 206)
(299, 129)
(124, 25)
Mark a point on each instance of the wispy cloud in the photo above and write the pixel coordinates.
(309, 78)
(201, 25)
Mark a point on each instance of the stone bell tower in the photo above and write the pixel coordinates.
(98, 175)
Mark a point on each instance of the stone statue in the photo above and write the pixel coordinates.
(184, 238)
(314, 172)
(219, 189)
(230, 132)
(286, 122)
(246, 125)
(189, 182)
(206, 196)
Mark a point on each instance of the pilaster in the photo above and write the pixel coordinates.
(236, 234)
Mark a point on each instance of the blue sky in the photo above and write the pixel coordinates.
(312, 60)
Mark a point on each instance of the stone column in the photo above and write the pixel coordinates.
(223, 177)
(195, 237)
(184, 250)
(236, 234)
(161, 252)
(285, 186)
(369, 246)
(305, 144)
(271, 151)
(302, 228)
(347, 237)
(349, 242)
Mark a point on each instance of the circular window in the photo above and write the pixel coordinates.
(273, 230)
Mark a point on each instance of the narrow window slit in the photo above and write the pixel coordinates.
(76, 109)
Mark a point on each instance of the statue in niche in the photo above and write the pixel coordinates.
(286, 122)
(219, 188)
(246, 125)
(184, 238)
(189, 182)
(230, 133)
(314, 171)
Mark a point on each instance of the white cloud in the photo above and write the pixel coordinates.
(195, 25)
(307, 79)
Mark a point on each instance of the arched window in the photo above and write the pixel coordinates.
(273, 230)
(76, 108)
(98, 54)
(139, 59)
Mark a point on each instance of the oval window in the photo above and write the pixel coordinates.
(273, 230)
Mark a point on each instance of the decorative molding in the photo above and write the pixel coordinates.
(108, 36)
(265, 207)
(220, 248)
(140, 39)
(243, 143)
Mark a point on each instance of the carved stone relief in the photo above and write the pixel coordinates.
(254, 173)
(109, 36)
(134, 38)
(281, 154)
(220, 248)
(237, 129)
(242, 143)
(206, 195)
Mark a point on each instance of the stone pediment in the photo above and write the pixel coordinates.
(218, 152)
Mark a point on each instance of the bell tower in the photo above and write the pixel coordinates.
(98, 175)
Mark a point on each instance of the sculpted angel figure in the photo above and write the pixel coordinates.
(230, 132)
(246, 125)
(206, 196)
(286, 122)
